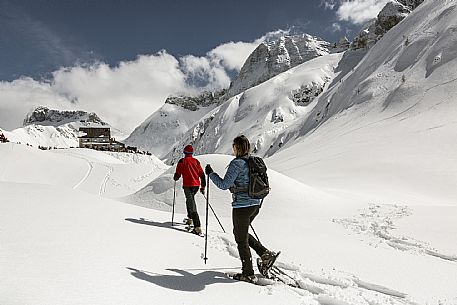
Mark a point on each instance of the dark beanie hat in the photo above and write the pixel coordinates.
(188, 149)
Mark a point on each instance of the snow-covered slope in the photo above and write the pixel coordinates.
(265, 113)
(55, 128)
(391, 123)
(64, 246)
(159, 132)
(180, 115)
(107, 174)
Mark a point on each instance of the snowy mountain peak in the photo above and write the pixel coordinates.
(392, 13)
(50, 117)
(273, 57)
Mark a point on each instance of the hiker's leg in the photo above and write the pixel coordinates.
(191, 205)
(188, 204)
(253, 242)
(240, 218)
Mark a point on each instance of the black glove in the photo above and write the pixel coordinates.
(202, 190)
(176, 177)
(208, 169)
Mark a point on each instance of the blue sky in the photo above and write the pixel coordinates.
(38, 36)
(123, 58)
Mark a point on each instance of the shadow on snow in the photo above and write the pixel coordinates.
(183, 281)
(166, 224)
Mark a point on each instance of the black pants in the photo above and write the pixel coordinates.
(242, 218)
(191, 206)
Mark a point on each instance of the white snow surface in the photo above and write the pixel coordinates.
(64, 242)
(362, 206)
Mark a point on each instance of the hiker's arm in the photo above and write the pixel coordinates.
(229, 178)
(178, 171)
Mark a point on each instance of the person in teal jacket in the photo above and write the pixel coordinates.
(245, 208)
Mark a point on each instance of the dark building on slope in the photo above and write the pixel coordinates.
(99, 138)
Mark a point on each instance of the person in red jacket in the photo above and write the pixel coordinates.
(192, 173)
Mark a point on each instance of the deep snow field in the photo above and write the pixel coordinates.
(64, 241)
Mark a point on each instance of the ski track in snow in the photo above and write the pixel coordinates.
(110, 169)
(105, 179)
(324, 287)
(377, 221)
(89, 171)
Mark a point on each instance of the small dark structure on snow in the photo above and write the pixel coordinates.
(99, 138)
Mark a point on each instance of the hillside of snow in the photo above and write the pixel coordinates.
(391, 123)
(63, 243)
(160, 131)
(361, 150)
(265, 113)
(106, 174)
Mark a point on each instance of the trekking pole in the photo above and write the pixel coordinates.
(206, 230)
(256, 236)
(254, 232)
(174, 200)
(214, 213)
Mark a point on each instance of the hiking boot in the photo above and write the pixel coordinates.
(197, 230)
(246, 278)
(266, 261)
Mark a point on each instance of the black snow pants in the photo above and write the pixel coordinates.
(191, 206)
(242, 218)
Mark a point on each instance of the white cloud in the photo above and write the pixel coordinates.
(127, 94)
(232, 55)
(20, 96)
(336, 27)
(328, 4)
(360, 11)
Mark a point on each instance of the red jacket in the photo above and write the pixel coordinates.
(191, 171)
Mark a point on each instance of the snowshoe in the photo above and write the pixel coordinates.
(196, 231)
(266, 261)
(243, 277)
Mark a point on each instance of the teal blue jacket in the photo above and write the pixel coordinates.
(237, 175)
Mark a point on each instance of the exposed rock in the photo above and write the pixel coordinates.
(342, 45)
(392, 14)
(274, 57)
(45, 116)
(306, 94)
(194, 103)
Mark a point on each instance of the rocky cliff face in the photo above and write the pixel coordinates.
(195, 103)
(45, 116)
(274, 57)
(392, 14)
